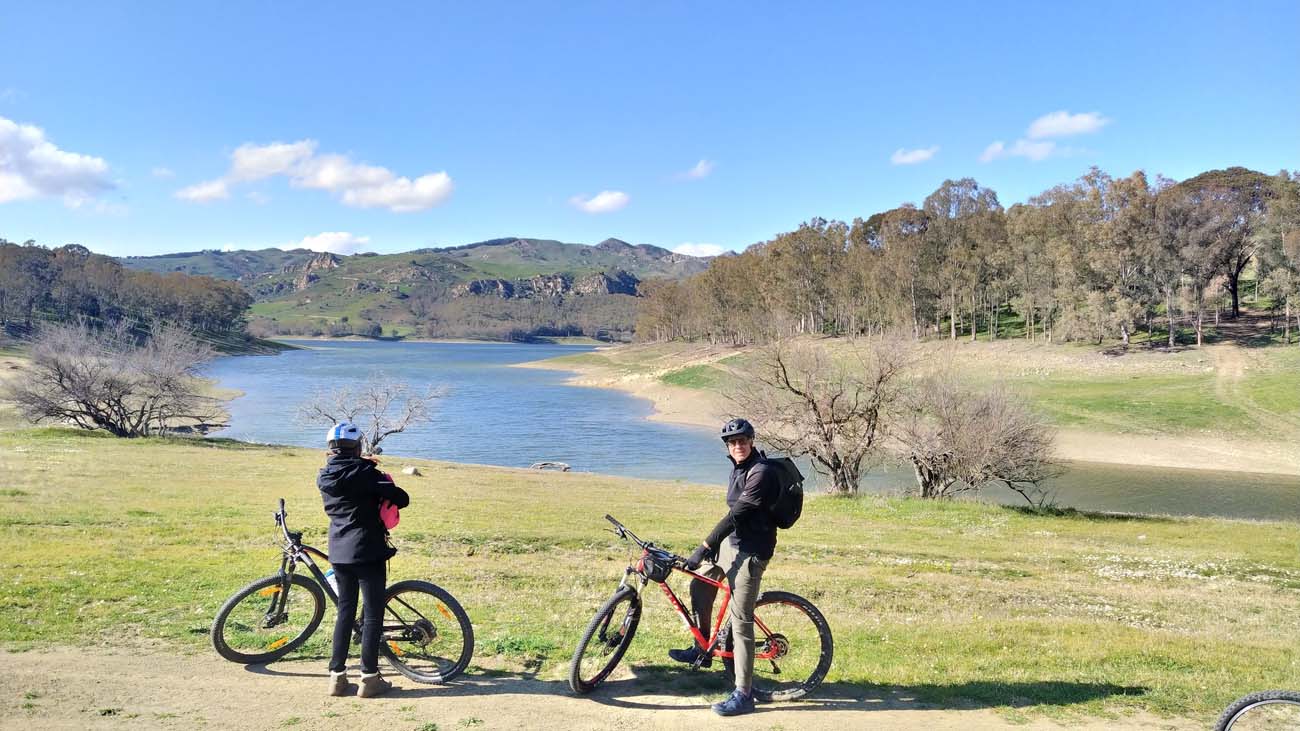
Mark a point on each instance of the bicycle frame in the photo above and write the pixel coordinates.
(295, 552)
(710, 644)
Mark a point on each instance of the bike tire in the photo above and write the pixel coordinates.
(597, 630)
(1240, 707)
(810, 634)
(412, 642)
(280, 645)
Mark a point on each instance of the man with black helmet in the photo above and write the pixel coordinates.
(740, 546)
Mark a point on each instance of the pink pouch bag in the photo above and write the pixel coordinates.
(388, 512)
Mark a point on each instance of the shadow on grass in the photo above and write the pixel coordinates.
(1094, 515)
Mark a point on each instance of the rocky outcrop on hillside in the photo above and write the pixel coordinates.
(321, 262)
(549, 286)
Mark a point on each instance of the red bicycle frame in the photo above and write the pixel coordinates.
(710, 644)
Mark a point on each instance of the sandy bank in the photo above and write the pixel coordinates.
(697, 407)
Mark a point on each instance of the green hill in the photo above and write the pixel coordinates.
(506, 288)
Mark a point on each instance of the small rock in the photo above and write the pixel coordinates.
(411, 471)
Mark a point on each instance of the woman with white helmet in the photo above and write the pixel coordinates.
(352, 488)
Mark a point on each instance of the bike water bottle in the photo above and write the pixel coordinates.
(333, 582)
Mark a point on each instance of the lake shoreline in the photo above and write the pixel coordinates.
(703, 408)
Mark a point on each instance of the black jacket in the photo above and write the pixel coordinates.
(352, 488)
(751, 491)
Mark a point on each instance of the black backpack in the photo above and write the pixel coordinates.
(789, 500)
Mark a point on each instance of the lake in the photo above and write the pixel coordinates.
(492, 413)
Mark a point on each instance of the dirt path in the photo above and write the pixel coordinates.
(100, 689)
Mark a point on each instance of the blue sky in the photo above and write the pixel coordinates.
(144, 128)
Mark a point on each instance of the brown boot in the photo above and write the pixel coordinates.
(339, 684)
(373, 684)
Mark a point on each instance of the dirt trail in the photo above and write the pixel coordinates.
(102, 689)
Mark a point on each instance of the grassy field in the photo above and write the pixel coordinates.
(136, 543)
(1220, 389)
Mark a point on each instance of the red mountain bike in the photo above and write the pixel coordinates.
(792, 642)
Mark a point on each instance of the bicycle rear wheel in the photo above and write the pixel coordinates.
(793, 647)
(427, 636)
(268, 619)
(606, 639)
(1270, 710)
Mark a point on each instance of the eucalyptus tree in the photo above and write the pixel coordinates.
(961, 216)
(1234, 202)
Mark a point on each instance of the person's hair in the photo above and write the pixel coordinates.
(345, 448)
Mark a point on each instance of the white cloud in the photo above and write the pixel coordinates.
(356, 184)
(206, 192)
(1036, 151)
(912, 157)
(335, 242)
(32, 167)
(603, 202)
(162, 173)
(258, 197)
(402, 195)
(255, 162)
(701, 170)
(691, 249)
(1064, 124)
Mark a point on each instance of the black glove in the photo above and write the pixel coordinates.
(702, 553)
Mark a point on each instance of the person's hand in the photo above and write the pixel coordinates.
(700, 555)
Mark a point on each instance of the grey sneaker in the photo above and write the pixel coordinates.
(373, 685)
(339, 684)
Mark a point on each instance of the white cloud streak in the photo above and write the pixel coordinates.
(33, 167)
(1064, 124)
(334, 242)
(212, 190)
(162, 173)
(702, 169)
(355, 184)
(605, 201)
(912, 157)
(693, 249)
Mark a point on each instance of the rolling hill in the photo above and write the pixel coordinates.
(507, 288)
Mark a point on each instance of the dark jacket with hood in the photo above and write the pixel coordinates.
(751, 491)
(352, 488)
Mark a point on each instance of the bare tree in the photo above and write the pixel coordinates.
(109, 379)
(831, 409)
(379, 406)
(958, 440)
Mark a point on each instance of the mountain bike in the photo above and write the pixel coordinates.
(792, 641)
(426, 635)
(1273, 710)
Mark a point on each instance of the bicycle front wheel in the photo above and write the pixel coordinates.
(792, 646)
(426, 635)
(606, 639)
(1270, 710)
(268, 619)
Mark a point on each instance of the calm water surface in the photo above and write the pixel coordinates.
(495, 414)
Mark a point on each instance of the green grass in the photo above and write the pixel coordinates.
(696, 376)
(1147, 403)
(136, 544)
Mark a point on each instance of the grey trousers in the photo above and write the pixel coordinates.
(744, 572)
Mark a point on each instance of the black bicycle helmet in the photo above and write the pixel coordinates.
(737, 428)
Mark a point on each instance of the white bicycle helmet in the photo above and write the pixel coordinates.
(343, 432)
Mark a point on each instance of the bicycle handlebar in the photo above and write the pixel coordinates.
(622, 532)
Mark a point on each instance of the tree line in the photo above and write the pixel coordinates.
(1097, 258)
(69, 284)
